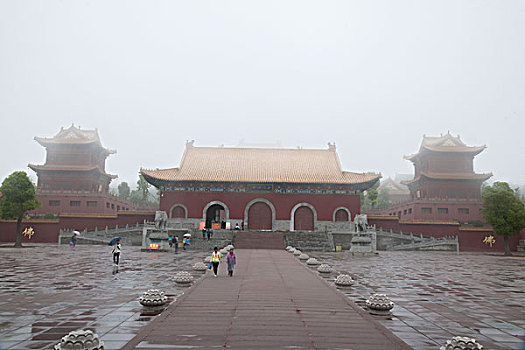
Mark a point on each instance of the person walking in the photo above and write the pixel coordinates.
(231, 259)
(116, 252)
(215, 260)
(176, 242)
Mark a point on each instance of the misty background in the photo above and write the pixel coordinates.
(371, 76)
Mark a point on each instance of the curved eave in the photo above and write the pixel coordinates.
(46, 142)
(166, 175)
(38, 168)
(465, 150)
(466, 177)
(158, 181)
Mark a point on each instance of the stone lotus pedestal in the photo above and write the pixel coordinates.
(379, 304)
(462, 343)
(153, 297)
(325, 270)
(80, 340)
(207, 259)
(297, 252)
(288, 248)
(200, 268)
(303, 257)
(344, 281)
(183, 278)
(292, 250)
(312, 263)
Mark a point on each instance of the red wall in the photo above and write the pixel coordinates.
(283, 203)
(46, 231)
(65, 206)
(470, 239)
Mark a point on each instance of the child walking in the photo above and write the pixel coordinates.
(231, 259)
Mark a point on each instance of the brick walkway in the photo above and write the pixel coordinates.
(272, 302)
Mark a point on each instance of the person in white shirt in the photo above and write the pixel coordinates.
(116, 253)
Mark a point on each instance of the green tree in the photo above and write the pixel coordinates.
(143, 187)
(503, 210)
(123, 190)
(18, 196)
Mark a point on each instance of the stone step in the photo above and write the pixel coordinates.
(259, 240)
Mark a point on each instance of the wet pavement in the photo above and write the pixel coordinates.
(439, 295)
(271, 302)
(46, 291)
(49, 290)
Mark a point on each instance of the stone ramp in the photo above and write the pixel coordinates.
(271, 302)
(259, 240)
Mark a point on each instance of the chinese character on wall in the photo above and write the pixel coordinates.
(29, 232)
(489, 240)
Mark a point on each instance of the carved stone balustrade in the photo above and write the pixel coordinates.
(183, 278)
(153, 297)
(312, 262)
(81, 340)
(304, 257)
(379, 304)
(344, 281)
(462, 343)
(325, 270)
(200, 267)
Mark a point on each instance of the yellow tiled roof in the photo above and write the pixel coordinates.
(221, 164)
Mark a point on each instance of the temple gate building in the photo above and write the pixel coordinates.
(73, 178)
(260, 188)
(445, 186)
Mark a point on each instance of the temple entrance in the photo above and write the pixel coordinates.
(303, 219)
(178, 212)
(341, 215)
(216, 217)
(260, 217)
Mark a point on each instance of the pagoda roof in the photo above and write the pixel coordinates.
(260, 165)
(38, 168)
(393, 187)
(445, 143)
(73, 136)
(449, 176)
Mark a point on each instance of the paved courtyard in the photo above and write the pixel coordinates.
(438, 295)
(48, 290)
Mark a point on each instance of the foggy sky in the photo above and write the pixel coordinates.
(371, 76)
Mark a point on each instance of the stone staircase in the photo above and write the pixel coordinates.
(258, 240)
(310, 241)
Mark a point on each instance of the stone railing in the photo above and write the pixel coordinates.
(429, 244)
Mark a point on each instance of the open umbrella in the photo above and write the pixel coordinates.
(114, 241)
(76, 233)
(187, 235)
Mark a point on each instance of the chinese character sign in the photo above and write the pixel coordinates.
(489, 240)
(29, 232)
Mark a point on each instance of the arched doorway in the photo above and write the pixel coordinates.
(216, 213)
(341, 215)
(260, 216)
(178, 211)
(303, 219)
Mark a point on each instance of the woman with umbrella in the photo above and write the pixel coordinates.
(186, 241)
